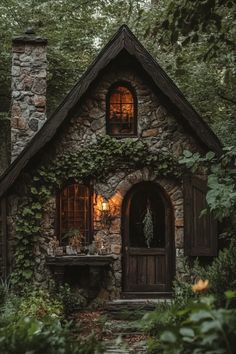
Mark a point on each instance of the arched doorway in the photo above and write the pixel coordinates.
(148, 242)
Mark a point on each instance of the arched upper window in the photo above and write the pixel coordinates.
(121, 110)
(75, 213)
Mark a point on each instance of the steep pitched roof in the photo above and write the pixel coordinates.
(123, 39)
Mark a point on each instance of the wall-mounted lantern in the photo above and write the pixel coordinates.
(106, 216)
(105, 206)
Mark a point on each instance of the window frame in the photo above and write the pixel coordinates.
(127, 85)
(91, 211)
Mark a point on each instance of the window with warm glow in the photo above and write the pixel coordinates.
(75, 213)
(121, 119)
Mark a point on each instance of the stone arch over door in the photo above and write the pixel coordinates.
(115, 191)
(148, 265)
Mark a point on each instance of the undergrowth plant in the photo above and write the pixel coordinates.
(198, 327)
(71, 299)
(34, 322)
(203, 329)
(29, 335)
(220, 274)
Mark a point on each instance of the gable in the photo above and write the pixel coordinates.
(124, 40)
(157, 125)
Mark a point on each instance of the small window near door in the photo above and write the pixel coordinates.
(75, 213)
(121, 111)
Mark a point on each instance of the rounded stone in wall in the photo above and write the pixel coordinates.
(34, 124)
(98, 124)
(39, 86)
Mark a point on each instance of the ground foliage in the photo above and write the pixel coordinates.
(35, 322)
(197, 326)
(203, 329)
(220, 274)
(193, 41)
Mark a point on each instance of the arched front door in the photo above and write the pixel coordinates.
(147, 241)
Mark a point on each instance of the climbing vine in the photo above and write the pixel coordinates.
(96, 161)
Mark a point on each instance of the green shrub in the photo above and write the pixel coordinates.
(39, 303)
(36, 337)
(9, 309)
(156, 321)
(203, 329)
(182, 292)
(220, 273)
(72, 300)
(30, 323)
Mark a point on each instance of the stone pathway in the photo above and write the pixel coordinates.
(123, 325)
(116, 335)
(124, 336)
(117, 326)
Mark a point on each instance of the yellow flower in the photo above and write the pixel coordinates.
(200, 286)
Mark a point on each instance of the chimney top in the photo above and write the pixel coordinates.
(29, 36)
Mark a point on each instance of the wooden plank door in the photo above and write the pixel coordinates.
(147, 266)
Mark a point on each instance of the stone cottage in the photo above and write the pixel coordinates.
(94, 195)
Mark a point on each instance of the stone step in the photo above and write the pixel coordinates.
(131, 309)
(115, 350)
(121, 326)
(137, 348)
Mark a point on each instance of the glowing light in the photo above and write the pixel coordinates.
(105, 206)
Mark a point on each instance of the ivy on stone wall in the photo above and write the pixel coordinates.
(96, 161)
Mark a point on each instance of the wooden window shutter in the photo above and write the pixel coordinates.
(200, 233)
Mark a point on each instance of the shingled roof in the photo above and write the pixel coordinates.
(124, 39)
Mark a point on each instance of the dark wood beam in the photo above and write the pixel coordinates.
(4, 237)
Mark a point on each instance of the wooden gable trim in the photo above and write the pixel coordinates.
(49, 129)
(123, 39)
(169, 89)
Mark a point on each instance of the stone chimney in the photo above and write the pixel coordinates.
(28, 106)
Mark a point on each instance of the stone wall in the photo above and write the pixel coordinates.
(156, 125)
(158, 128)
(28, 108)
